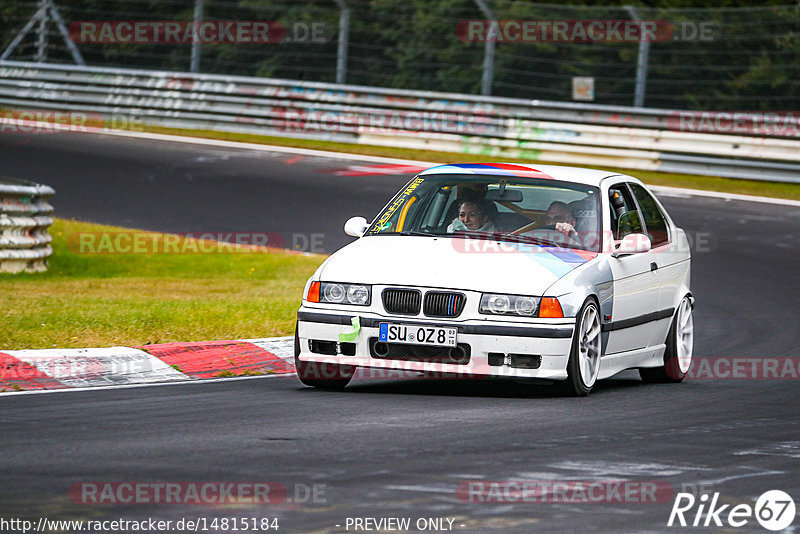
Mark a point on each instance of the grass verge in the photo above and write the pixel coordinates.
(689, 181)
(107, 299)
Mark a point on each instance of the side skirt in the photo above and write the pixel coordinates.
(646, 357)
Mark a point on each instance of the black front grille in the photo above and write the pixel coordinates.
(459, 355)
(443, 304)
(401, 301)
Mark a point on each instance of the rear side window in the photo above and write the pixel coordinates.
(654, 219)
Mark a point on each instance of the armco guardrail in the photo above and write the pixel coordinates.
(24, 218)
(594, 135)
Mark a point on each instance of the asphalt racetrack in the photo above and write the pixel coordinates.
(403, 447)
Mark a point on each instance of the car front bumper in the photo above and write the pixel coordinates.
(496, 348)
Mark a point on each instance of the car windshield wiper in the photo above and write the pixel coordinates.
(418, 233)
(411, 232)
(472, 234)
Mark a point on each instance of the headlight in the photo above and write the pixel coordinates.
(498, 304)
(335, 293)
(358, 295)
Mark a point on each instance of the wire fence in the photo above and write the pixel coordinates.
(735, 59)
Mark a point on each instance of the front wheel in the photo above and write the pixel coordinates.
(584, 359)
(680, 344)
(321, 375)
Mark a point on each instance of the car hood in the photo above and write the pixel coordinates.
(456, 263)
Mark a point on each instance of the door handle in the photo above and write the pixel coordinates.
(653, 266)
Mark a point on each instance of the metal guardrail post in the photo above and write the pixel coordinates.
(641, 62)
(198, 18)
(488, 52)
(24, 218)
(344, 33)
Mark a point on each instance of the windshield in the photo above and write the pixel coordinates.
(540, 211)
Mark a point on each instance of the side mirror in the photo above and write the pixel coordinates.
(356, 226)
(632, 244)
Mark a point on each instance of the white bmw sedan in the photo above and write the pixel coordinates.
(540, 272)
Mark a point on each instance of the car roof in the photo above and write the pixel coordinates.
(525, 170)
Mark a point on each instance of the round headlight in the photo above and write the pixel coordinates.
(525, 305)
(334, 293)
(357, 295)
(498, 304)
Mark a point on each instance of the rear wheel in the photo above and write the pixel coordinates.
(584, 359)
(680, 344)
(321, 375)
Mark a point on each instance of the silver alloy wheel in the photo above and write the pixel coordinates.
(684, 335)
(589, 346)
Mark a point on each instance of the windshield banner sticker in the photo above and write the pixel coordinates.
(382, 225)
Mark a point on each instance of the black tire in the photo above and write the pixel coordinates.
(670, 371)
(321, 375)
(575, 385)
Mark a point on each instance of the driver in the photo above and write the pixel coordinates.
(472, 216)
(559, 216)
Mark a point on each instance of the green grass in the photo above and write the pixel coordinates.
(690, 181)
(88, 300)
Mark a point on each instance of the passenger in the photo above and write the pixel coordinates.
(559, 217)
(472, 216)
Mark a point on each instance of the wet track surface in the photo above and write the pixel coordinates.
(401, 448)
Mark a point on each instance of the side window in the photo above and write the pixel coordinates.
(624, 216)
(653, 218)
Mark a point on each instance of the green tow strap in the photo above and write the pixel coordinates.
(351, 336)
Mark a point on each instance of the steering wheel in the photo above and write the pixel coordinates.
(530, 226)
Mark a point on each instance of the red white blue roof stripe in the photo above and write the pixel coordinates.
(496, 169)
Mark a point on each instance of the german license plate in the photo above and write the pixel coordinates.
(415, 334)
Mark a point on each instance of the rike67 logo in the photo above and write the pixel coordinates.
(774, 510)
